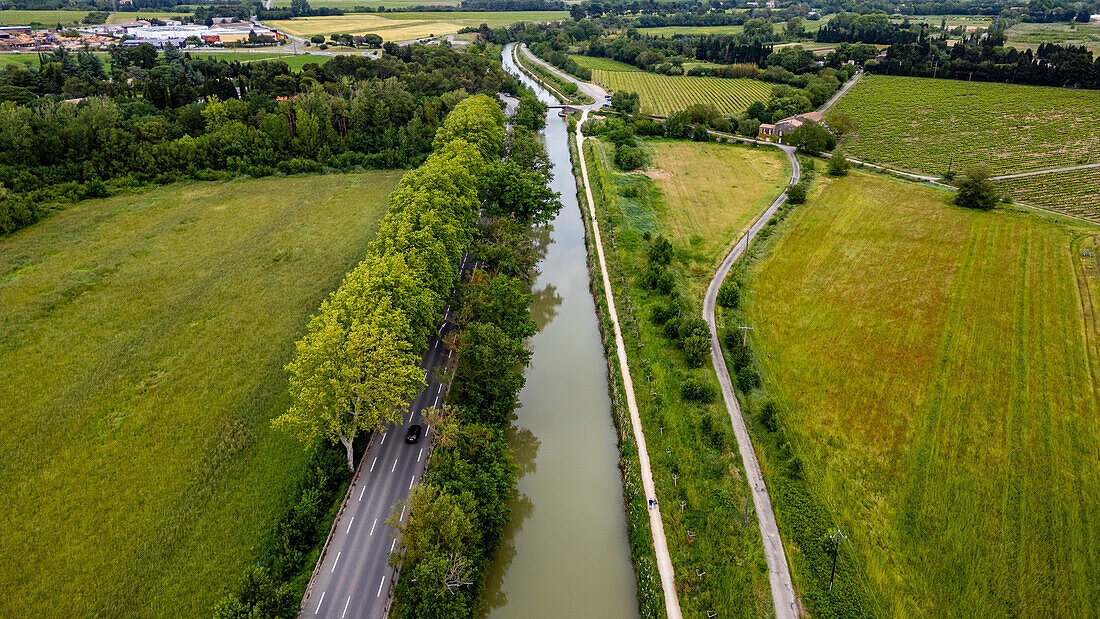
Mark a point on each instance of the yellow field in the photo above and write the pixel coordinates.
(705, 206)
(407, 26)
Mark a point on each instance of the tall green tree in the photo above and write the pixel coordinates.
(350, 374)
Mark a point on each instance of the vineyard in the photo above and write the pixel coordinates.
(932, 125)
(665, 94)
(1075, 193)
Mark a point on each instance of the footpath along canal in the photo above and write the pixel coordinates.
(565, 551)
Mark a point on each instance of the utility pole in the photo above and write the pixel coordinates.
(836, 537)
(745, 335)
(1091, 144)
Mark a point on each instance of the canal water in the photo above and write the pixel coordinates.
(565, 551)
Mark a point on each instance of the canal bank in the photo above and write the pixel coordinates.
(565, 551)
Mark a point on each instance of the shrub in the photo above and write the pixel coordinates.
(660, 251)
(768, 416)
(838, 164)
(976, 190)
(692, 326)
(747, 378)
(729, 294)
(660, 314)
(696, 348)
(671, 330)
(631, 157)
(657, 279)
(797, 194)
(695, 390)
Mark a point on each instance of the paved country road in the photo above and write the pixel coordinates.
(354, 577)
(779, 575)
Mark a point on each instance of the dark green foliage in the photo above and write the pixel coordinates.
(630, 158)
(657, 279)
(714, 432)
(747, 378)
(768, 416)
(729, 293)
(976, 191)
(695, 390)
(696, 350)
(660, 251)
(530, 112)
(147, 124)
(626, 102)
(838, 164)
(797, 193)
(661, 314)
(811, 138)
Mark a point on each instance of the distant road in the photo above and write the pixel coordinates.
(1047, 171)
(354, 577)
(840, 93)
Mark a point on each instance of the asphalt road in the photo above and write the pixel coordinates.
(779, 575)
(354, 577)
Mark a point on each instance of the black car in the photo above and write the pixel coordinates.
(413, 435)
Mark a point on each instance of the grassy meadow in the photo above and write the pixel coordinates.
(19, 17)
(931, 125)
(1076, 192)
(692, 450)
(142, 341)
(406, 26)
(937, 376)
(664, 94)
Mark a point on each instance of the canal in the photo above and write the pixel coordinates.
(565, 550)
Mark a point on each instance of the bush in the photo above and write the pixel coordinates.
(671, 330)
(747, 378)
(976, 190)
(797, 194)
(695, 390)
(699, 134)
(660, 314)
(660, 251)
(768, 416)
(838, 164)
(657, 279)
(696, 349)
(729, 294)
(631, 157)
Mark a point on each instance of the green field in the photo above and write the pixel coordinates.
(668, 31)
(938, 377)
(602, 64)
(930, 125)
(407, 26)
(1076, 192)
(16, 17)
(26, 60)
(1031, 35)
(295, 62)
(700, 196)
(664, 94)
(142, 345)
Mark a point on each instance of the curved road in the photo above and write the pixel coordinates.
(779, 575)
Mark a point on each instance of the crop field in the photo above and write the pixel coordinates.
(18, 17)
(142, 345)
(953, 21)
(932, 125)
(127, 17)
(1076, 192)
(692, 449)
(295, 62)
(668, 31)
(1029, 36)
(601, 64)
(938, 376)
(407, 26)
(664, 94)
(350, 4)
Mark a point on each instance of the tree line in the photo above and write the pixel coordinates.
(987, 59)
(162, 118)
(458, 513)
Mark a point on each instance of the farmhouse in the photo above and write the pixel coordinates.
(790, 123)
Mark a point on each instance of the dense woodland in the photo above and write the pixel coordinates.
(158, 119)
